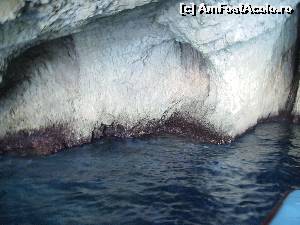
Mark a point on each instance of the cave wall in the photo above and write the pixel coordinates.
(24, 23)
(222, 72)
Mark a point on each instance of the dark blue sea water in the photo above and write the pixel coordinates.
(157, 180)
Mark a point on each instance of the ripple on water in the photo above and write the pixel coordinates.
(157, 180)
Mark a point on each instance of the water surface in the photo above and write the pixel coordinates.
(157, 180)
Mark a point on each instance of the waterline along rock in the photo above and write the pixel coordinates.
(73, 71)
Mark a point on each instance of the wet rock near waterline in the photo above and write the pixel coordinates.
(44, 141)
(53, 139)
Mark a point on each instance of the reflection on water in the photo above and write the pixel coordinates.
(164, 180)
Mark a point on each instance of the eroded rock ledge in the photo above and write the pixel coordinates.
(75, 71)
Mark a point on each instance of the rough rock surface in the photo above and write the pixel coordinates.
(144, 70)
(24, 23)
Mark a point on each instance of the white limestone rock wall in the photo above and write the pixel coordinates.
(107, 75)
(252, 57)
(225, 72)
(24, 23)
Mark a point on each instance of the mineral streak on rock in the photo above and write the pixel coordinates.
(131, 68)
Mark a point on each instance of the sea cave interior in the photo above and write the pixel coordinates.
(149, 112)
